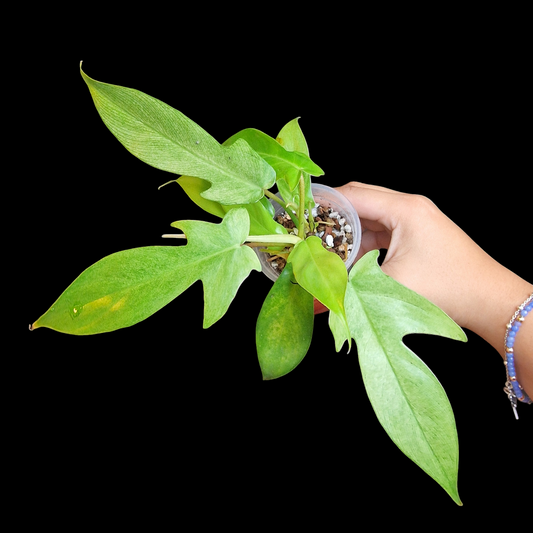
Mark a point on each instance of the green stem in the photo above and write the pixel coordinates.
(311, 219)
(272, 196)
(283, 204)
(301, 211)
(254, 240)
(273, 240)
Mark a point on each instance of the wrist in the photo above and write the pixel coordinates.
(514, 390)
(496, 293)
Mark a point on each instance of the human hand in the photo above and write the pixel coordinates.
(426, 251)
(431, 255)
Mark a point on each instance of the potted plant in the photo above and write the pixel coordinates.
(303, 235)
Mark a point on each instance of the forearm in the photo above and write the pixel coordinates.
(493, 309)
(480, 294)
(430, 254)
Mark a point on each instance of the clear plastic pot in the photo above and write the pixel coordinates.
(326, 197)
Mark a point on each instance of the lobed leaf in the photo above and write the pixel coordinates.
(166, 139)
(407, 398)
(261, 213)
(127, 287)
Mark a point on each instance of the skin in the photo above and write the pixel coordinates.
(431, 255)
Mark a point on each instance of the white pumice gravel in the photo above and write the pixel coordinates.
(330, 226)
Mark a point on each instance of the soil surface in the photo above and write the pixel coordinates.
(330, 226)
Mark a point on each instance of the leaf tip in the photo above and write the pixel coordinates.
(171, 181)
(455, 497)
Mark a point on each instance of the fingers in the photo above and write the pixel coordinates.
(376, 206)
(380, 211)
(373, 240)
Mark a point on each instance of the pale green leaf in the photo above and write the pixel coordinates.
(407, 398)
(323, 274)
(127, 287)
(166, 139)
(261, 213)
(194, 188)
(284, 326)
(292, 139)
(288, 165)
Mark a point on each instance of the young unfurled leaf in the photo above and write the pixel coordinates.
(166, 139)
(323, 274)
(292, 139)
(127, 287)
(284, 326)
(407, 398)
(288, 165)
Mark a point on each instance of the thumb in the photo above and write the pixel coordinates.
(376, 206)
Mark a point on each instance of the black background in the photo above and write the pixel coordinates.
(165, 416)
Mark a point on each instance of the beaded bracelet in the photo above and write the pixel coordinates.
(512, 388)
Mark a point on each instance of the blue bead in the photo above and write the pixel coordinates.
(511, 333)
(516, 326)
(510, 342)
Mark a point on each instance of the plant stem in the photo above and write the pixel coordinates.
(272, 196)
(288, 210)
(301, 211)
(311, 218)
(254, 240)
(273, 240)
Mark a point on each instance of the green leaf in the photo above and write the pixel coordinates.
(292, 139)
(127, 287)
(166, 139)
(407, 398)
(323, 274)
(194, 188)
(262, 219)
(284, 326)
(261, 213)
(288, 165)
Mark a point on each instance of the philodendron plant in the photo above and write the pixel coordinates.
(233, 181)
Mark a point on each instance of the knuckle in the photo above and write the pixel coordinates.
(419, 202)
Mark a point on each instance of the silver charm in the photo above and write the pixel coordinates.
(508, 389)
